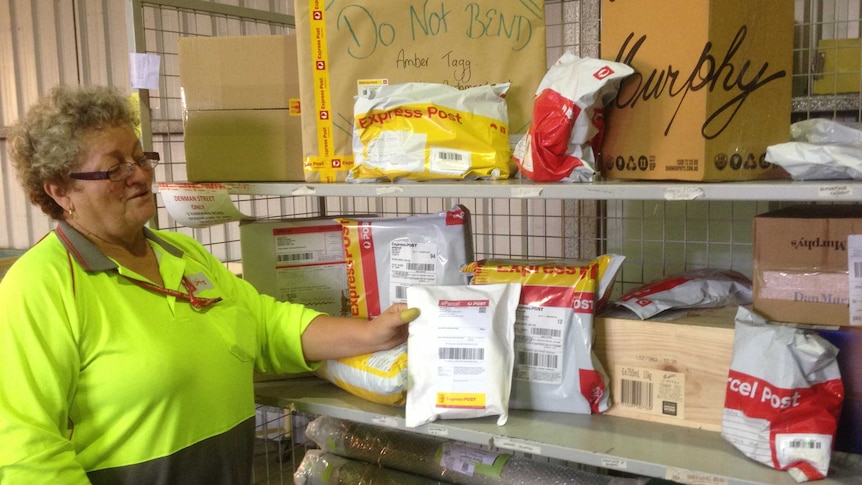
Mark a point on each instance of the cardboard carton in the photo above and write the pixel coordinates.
(296, 260)
(241, 108)
(671, 369)
(348, 46)
(242, 145)
(849, 343)
(712, 88)
(838, 65)
(800, 263)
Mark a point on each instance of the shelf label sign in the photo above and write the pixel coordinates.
(199, 205)
(517, 445)
(693, 478)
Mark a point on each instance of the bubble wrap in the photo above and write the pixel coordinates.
(321, 468)
(420, 455)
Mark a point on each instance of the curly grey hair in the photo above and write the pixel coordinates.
(45, 144)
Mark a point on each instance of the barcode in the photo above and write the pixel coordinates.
(368, 92)
(636, 393)
(461, 353)
(546, 332)
(285, 258)
(805, 444)
(400, 292)
(450, 156)
(536, 359)
(857, 269)
(420, 267)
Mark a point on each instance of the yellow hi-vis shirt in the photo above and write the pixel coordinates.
(104, 381)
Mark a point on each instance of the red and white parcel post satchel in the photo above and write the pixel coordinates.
(784, 396)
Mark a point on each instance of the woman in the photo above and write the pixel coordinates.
(127, 353)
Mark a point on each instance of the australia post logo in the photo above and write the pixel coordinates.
(603, 72)
(718, 68)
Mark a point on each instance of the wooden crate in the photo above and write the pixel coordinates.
(671, 371)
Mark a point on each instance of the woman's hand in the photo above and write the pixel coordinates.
(328, 337)
(390, 327)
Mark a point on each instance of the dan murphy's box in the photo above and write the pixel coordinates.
(712, 88)
(348, 46)
(801, 263)
(241, 108)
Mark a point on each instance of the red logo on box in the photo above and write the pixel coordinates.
(324, 115)
(320, 65)
(602, 73)
(317, 15)
(336, 163)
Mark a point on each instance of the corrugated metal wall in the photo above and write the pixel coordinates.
(44, 43)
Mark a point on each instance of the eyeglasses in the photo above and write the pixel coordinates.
(121, 171)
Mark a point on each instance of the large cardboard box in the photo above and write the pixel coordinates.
(345, 46)
(296, 260)
(242, 117)
(671, 369)
(849, 343)
(800, 263)
(712, 88)
(837, 66)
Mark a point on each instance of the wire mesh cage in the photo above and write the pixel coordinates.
(657, 237)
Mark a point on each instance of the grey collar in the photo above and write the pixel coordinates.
(90, 257)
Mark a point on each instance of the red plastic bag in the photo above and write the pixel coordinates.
(568, 119)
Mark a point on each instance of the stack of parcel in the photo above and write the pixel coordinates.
(706, 111)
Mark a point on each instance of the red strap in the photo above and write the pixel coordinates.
(196, 302)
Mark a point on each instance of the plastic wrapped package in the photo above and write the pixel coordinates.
(568, 119)
(439, 458)
(820, 149)
(379, 377)
(784, 396)
(555, 367)
(321, 468)
(460, 352)
(430, 131)
(386, 255)
(700, 288)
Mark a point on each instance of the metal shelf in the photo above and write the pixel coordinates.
(627, 445)
(770, 190)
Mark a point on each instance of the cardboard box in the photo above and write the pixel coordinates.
(238, 72)
(241, 108)
(243, 145)
(671, 369)
(297, 260)
(345, 46)
(800, 272)
(712, 88)
(849, 343)
(837, 66)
